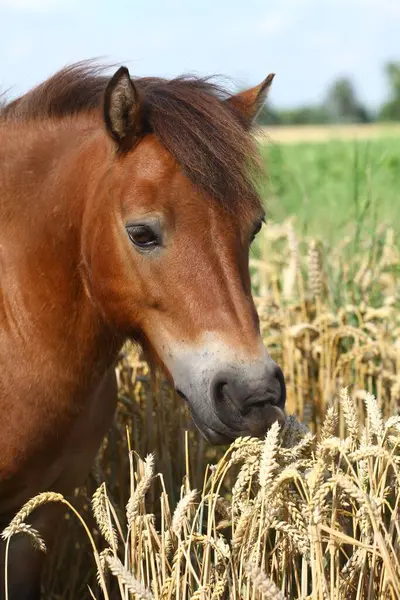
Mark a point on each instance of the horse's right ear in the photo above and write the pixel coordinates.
(122, 110)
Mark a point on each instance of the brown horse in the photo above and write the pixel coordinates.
(127, 208)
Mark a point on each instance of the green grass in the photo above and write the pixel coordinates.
(334, 188)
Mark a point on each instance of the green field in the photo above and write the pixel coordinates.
(334, 186)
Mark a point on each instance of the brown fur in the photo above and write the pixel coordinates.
(72, 288)
(207, 137)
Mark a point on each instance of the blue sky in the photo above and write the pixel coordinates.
(306, 42)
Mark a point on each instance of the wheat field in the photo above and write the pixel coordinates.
(311, 511)
(288, 134)
(304, 519)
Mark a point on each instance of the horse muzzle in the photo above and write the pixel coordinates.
(231, 398)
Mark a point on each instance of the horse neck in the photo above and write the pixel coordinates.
(53, 300)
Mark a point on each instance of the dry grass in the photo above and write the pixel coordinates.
(291, 134)
(309, 512)
(304, 519)
(330, 317)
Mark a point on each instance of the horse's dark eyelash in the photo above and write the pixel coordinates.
(258, 228)
(132, 229)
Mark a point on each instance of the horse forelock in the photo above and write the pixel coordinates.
(189, 115)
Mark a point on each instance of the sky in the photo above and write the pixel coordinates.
(307, 43)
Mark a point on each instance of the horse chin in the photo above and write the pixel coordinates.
(219, 434)
(212, 436)
(216, 439)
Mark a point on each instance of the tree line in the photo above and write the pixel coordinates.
(340, 105)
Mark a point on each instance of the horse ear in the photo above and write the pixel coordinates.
(249, 102)
(122, 109)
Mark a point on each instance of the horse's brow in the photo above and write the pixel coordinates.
(262, 215)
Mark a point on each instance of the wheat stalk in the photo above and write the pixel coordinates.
(133, 506)
(181, 510)
(132, 584)
(102, 516)
(263, 584)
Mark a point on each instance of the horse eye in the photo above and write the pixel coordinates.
(142, 236)
(257, 230)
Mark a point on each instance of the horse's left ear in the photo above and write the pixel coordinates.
(249, 102)
(122, 109)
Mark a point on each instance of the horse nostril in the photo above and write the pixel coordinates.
(240, 398)
(225, 397)
(282, 386)
(221, 391)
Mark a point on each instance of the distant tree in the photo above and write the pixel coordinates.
(303, 115)
(390, 111)
(393, 74)
(268, 116)
(343, 105)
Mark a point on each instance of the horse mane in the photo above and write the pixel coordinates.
(188, 114)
